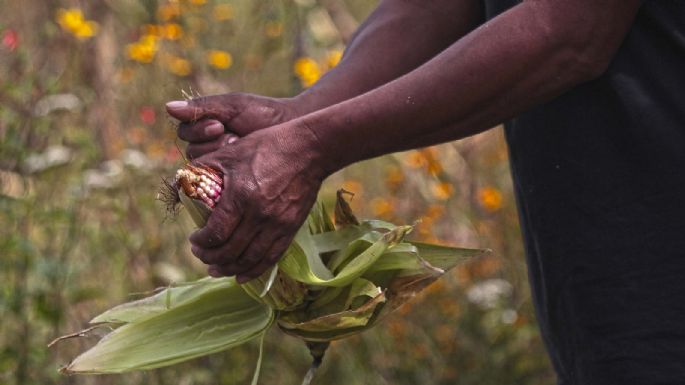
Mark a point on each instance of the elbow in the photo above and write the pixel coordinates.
(586, 64)
(584, 46)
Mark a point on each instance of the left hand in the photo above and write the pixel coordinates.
(271, 181)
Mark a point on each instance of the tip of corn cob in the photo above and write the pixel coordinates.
(197, 182)
(200, 182)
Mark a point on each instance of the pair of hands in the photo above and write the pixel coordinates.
(271, 178)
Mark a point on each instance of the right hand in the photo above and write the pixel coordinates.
(211, 122)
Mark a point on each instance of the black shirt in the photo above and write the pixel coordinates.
(599, 175)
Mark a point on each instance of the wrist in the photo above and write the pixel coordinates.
(312, 148)
(307, 101)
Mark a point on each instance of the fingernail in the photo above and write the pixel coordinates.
(214, 129)
(242, 278)
(232, 139)
(177, 104)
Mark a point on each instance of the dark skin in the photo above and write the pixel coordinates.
(528, 55)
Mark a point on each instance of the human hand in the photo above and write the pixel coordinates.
(211, 122)
(271, 180)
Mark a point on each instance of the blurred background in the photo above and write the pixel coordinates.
(84, 143)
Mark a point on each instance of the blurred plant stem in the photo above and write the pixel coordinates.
(341, 17)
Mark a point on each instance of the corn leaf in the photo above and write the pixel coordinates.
(214, 321)
(445, 257)
(197, 210)
(164, 300)
(332, 323)
(307, 268)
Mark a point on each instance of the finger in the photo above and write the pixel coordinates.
(227, 270)
(201, 131)
(219, 107)
(181, 110)
(270, 258)
(217, 271)
(255, 251)
(220, 225)
(196, 150)
(229, 252)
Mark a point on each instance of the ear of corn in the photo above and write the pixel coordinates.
(334, 280)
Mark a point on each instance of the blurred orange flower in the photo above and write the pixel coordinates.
(73, 21)
(442, 190)
(171, 31)
(219, 59)
(308, 70)
(415, 159)
(435, 211)
(381, 207)
(333, 58)
(179, 66)
(143, 50)
(490, 198)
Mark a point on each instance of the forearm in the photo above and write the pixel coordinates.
(397, 37)
(518, 60)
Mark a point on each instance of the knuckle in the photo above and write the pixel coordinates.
(200, 254)
(182, 131)
(228, 269)
(193, 151)
(249, 259)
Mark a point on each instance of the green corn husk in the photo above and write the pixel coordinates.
(215, 316)
(335, 280)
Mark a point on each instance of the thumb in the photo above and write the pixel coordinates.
(215, 107)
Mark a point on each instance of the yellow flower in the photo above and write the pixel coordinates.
(179, 66)
(307, 70)
(86, 30)
(490, 198)
(219, 59)
(443, 190)
(171, 31)
(73, 21)
(333, 58)
(70, 19)
(222, 12)
(143, 50)
(273, 29)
